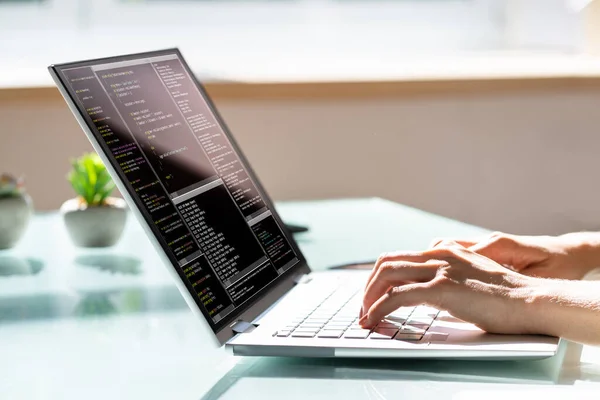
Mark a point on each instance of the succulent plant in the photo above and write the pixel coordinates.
(90, 179)
(10, 186)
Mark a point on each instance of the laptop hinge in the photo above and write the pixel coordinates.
(302, 278)
(242, 327)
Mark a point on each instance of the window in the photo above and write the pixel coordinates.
(274, 33)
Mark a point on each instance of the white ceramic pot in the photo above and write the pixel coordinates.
(100, 226)
(15, 212)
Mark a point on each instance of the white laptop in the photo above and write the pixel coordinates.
(239, 269)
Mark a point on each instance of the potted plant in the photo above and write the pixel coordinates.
(15, 210)
(93, 218)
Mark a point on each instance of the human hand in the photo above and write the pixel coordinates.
(468, 285)
(564, 257)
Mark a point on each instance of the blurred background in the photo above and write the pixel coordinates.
(485, 111)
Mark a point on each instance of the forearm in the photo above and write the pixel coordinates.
(567, 309)
(583, 249)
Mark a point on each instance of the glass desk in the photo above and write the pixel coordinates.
(109, 323)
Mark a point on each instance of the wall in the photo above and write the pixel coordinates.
(518, 161)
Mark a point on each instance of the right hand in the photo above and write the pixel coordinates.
(541, 256)
(468, 285)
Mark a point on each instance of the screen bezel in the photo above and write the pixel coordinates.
(265, 298)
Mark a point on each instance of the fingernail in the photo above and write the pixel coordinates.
(361, 312)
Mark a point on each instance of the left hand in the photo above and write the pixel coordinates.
(569, 256)
(468, 285)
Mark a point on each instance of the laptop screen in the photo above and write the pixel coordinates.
(193, 187)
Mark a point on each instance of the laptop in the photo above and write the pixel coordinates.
(217, 231)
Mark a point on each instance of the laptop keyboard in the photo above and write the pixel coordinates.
(335, 315)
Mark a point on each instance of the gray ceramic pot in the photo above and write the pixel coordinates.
(95, 226)
(14, 217)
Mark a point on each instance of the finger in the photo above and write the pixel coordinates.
(417, 257)
(540, 271)
(393, 257)
(441, 242)
(396, 256)
(450, 243)
(498, 247)
(402, 296)
(396, 273)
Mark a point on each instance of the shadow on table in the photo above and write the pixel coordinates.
(34, 302)
(122, 300)
(265, 371)
(117, 264)
(11, 265)
(129, 301)
(27, 308)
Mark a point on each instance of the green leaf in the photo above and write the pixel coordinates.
(90, 168)
(90, 179)
(10, 186)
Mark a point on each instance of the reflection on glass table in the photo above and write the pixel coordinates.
(10, 265)
(79, 323)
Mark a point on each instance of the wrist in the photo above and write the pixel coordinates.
(563, 308)
(582, 250)
(537, 297)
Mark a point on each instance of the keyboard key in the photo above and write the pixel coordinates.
(303, 334)
(425, 311)
(407, 329)
(383, 333)
(322, 315)
(307, 329)
(310, 325)
(339, 324)
(326, 333)
(355, 326)
(408, 336)
(423, 323)
(419, 320)
(283, 333)
(395, 321)
(328, 310)
(357, 334)
(335, 328)
(420, 326)
(438, 337)
(402, 312)
(312, 320)
(344, 319)
(350, 315)
(389, 324)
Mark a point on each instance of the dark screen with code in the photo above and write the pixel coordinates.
(176, 159)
